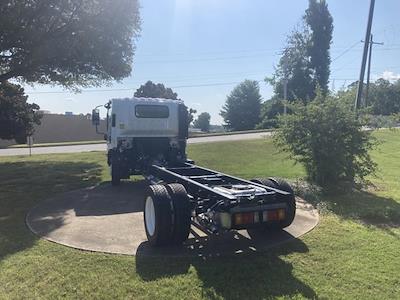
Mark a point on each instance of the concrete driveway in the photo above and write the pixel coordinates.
(110, 219)
(103, 147)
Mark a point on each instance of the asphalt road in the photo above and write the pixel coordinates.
(102, 147)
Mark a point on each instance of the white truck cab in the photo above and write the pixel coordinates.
(143, 131)
(143, 117)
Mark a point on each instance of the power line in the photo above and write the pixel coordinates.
(202, 59)
(345, 51)
(132, 89)
(238, 57)
(244, 51)
(198, 76)
(173, 87)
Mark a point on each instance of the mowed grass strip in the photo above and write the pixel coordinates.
(353, 253)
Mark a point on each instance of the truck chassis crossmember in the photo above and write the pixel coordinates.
(221, 202)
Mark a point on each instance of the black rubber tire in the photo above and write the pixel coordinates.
(163, 225)
(264, 181)
(115, 175)
(182, 212)
(281, 184)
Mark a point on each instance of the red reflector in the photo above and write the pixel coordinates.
(248, 218)
(272, 215)
(244, 218)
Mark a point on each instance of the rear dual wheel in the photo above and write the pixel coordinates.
(290, 200)
(167, 214)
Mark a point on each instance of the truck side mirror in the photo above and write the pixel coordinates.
(95, 117)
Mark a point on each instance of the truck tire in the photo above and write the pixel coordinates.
(182, 212)
(158, 216)
(115, 175)
(280, 184)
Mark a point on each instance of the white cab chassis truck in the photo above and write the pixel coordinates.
(147, 136)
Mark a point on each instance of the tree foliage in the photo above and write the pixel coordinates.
(242, 108)
(203, 122)
(270, 111)
(191, 113)
(294, 65)
(384, 97)
(17, 117)
(305, 61)
(320, 23)
(68, 42)
(327, 138)
(155, 90)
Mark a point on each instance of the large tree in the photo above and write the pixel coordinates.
(155, 90)
(17, 117)
(294, 66)
(203, 122)
(305, 61)
(73, 43)
(242, 108)
(320, 22)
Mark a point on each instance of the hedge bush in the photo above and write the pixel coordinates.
(328, 139)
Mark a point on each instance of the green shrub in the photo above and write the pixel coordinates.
(327, 138)
(270, 111)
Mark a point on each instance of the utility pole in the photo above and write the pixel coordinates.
(364, 58)
(371, 42)
(285, 81)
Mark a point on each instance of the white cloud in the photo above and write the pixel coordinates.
(388, 75)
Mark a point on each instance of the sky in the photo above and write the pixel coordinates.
(202, 49)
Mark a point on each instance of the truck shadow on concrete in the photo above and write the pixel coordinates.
(248, 274)
(104, 199)
(24, 184)
(97, 200)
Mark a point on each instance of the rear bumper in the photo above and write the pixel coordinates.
(252, 217)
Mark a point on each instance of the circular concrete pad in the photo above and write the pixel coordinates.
(110, 219)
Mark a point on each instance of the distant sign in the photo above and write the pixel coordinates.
(29, 141)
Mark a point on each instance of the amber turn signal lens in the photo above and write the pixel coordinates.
(281, 214)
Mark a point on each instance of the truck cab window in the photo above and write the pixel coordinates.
(152, 111)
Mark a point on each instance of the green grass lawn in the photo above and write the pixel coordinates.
(353, 253)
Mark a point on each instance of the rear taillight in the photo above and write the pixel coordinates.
(247, 218)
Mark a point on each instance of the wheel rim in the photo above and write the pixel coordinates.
(150, 216)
